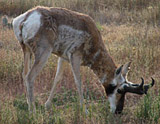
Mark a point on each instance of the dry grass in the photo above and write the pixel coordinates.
(108, 12)
(130, 31)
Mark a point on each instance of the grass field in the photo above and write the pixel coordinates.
(131, 32)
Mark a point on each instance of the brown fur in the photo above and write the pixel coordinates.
(54, 17)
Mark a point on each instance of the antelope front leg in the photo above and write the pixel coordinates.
(58, 77)
(41, 58)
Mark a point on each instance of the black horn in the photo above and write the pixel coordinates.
(137, 88)
(152, 82)
(146, 87)
(142, 83)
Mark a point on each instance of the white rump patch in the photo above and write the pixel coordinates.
(16, 24)
(31, 26)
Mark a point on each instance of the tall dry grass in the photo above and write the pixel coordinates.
(110, 11)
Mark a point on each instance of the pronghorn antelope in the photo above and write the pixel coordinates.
(74, 38)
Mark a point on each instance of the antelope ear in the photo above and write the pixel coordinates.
(126, 69)
(119, 70)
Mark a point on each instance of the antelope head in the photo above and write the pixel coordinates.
(120, 86)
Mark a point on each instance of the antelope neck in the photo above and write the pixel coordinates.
(103, 66)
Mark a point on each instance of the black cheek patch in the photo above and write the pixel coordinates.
(120, 104)
(110, 89)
